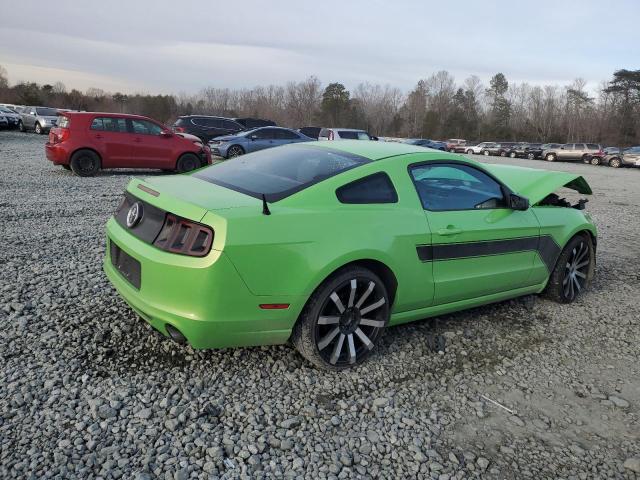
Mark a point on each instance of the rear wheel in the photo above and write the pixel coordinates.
(343, 319)
(573, 271)
(235, 151)
(550, 157)
(21, 127)
(615, 163)
(187, 162)
(85, 163)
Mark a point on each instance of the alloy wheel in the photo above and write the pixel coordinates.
(235, 151)
(351, 319)
(530, 156)
(576, 270)
(615, 163)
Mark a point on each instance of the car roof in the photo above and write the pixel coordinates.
(373, 150)
(104, 114)
(346, 129)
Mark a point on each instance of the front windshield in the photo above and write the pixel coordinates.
(46, 112)
(279, 172)
(6, 110)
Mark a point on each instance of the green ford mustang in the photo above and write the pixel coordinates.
(327, 243)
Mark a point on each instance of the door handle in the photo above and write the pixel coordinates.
(449, 231)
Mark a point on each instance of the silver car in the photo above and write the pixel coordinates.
(38, 119)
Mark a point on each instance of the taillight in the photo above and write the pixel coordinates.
(57, 135)
(179, 235)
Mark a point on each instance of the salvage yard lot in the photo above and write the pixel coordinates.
(88, 390)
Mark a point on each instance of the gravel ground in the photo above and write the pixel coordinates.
(89, 391)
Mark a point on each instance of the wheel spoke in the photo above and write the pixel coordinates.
(337, 301)
(373, 306)
(580, 274)
(566, 279)
(328, 320)
(366, 294)
(352, 294)
(575, 280)
(571, 289)
(352, 349)
(364, 339)
(581, 253)
(336, 351)
(372, 323)
(328, 338)
(583, 264)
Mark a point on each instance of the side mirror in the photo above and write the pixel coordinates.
(166, 134)
(516, 202)
(32, 112)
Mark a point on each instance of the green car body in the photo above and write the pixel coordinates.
(253, 285)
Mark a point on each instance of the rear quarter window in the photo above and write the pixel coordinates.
(376, 188)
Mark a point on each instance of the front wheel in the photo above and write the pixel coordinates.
(595, 160)
(343, 319)
(39, 129)
(573, 271)
(550, 157)
(187, 162)
(530, 156)
(21, 127)
(235, 151)
(469, 152)
(485, 153)
(615, 163)
(513, 155)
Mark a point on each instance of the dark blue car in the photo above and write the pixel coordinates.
(253, 140)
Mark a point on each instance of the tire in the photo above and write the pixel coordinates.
(85, 163)
(550, 157)
(586, 159)
(66, 167)
(573, 271)
(531, 156)
(235, 151)
(595, 161)
(513, 155)
(340, 300)
(38, 129)
(503, 154)
(187, 162)
(21, 127)
(469, 152)
(615, 163)
(485, 153)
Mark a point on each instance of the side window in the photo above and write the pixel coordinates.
(145, 128)
(109, 124)
(592, 146)
(324, 133)
(286, 135)
(347, 135)
(376, 188)
(444, 187)
(266, 133)
(97, 124)
(229, 125)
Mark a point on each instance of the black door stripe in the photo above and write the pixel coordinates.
(544, 245)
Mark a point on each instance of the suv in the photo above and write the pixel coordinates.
(573, 152)
(477, 149)
(343, 134)
(85, 142)
(206, 127)
(456, 145)
(628, 157)
(38, 119)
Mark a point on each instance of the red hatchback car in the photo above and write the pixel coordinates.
(85, 142)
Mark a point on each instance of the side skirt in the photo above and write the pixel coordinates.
(435, 310)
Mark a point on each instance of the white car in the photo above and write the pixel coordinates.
(477, 149)
(344, 134)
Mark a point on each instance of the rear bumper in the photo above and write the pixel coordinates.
(56, 153)
(204, 298)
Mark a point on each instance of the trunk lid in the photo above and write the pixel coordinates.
(537, 184)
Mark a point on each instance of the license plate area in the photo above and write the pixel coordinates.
(126, 265)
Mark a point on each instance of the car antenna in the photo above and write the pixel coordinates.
(265, 206)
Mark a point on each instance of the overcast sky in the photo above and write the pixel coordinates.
(160, 46)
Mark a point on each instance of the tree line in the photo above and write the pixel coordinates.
(437, 107)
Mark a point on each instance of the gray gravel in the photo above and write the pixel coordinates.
(89, 391)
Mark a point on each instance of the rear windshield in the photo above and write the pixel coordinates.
(279, 172)
(47, 112)
(349, 135)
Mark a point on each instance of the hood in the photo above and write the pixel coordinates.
(225, 138)
(537, 184)
(186, 189)
(188, 136)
